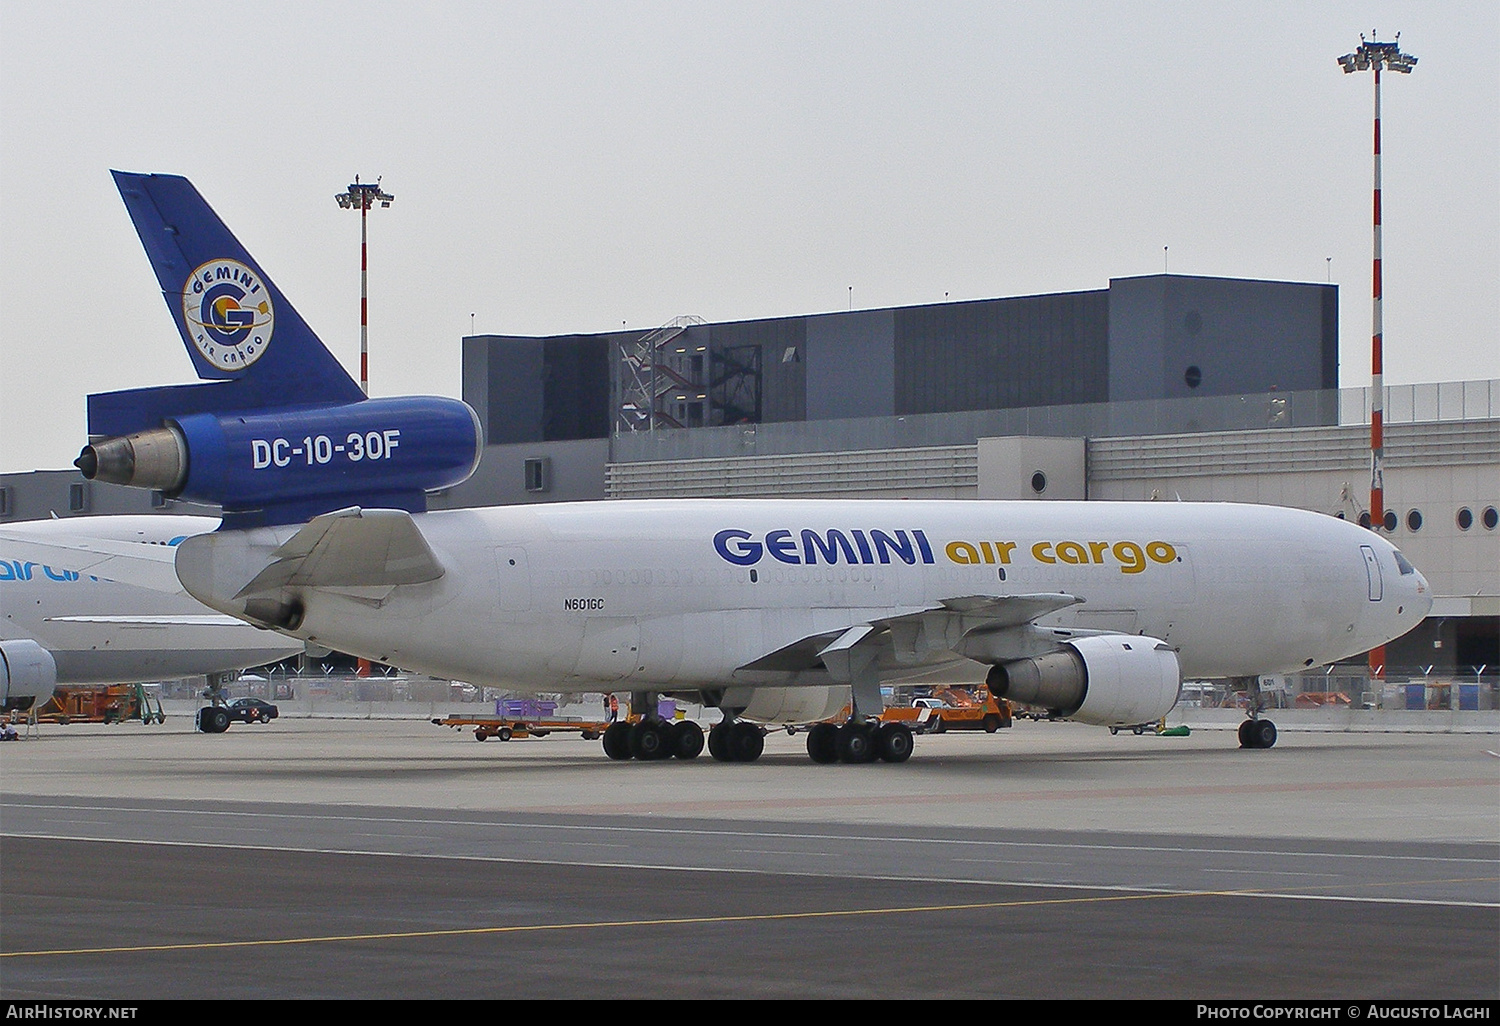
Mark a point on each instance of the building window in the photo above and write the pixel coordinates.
(1414, 520)
(1390, 521)
(539, 474)
(1489, 518)
(78, 498)
(1465, 518)
(5, 501)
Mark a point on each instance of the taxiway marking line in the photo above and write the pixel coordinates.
(479, 931)
(597, 828)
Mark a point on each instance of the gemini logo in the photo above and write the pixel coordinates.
(227, 310)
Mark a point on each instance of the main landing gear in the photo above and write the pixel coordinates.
(652, 739)
(859, 741)
(734, 740)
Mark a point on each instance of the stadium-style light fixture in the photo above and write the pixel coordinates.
(362, 197)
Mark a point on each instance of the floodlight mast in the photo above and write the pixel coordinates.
(362, 198)
(1375, 55)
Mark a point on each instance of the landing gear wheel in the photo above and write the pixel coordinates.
(856, 742)
(746, 742)
(1257, 734)
(1264, 733)
(213, 720)
(648, 740)
(894, 742)
(716, 743)
(823, 743)
(686, 741)
(617, 741)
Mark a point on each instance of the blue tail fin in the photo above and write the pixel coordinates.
(240, 331)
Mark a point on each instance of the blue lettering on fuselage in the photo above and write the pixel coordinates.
(22, 570)
(809, 547)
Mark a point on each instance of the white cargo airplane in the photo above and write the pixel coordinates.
(1095, 610)
(770, 610)
(95, 600)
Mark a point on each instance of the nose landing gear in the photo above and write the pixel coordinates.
(1256, 732)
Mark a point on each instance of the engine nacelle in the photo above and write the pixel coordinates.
(28, 673)
(1113, 680)
(375, 452)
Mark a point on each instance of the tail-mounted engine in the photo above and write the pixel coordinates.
(291, 463)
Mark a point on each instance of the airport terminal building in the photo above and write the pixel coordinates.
(1156, 388)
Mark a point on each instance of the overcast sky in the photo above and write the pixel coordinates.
(566, 167)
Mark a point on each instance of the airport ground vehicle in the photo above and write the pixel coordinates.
(948, 708)
(962, 709)
(507, 728)
(252, 710)
(111, 703)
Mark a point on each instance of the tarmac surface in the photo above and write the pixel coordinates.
(398, 859)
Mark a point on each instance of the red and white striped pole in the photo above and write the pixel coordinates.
(1376, 55)
(365, 281)
(1377, 383)
(1377, 373)
(363, 197)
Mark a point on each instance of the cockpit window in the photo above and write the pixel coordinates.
(1404, 565)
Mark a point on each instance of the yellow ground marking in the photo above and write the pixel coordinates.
(619, 923)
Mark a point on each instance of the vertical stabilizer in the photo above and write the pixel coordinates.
(233, 319)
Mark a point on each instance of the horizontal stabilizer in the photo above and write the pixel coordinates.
(350, 548)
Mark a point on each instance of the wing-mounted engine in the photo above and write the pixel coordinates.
(1109, 680)
(28, 674)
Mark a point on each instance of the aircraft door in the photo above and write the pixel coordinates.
(1372, 572)
(512, 579)
(610, 649)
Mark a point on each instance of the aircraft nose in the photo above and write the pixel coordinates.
(1422, 603)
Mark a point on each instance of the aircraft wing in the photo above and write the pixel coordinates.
(350, 548)
(949, 630)
(135, 563)
(186, 620)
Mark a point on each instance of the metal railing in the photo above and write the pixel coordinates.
(1421, 403)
